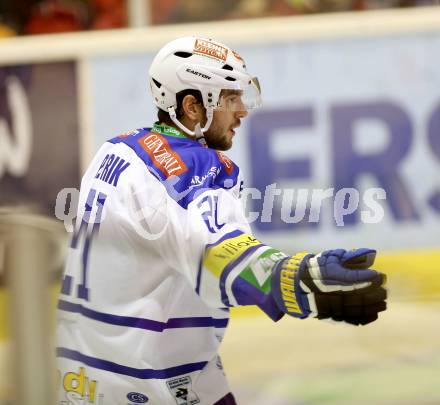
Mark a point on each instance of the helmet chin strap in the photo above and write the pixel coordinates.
(198, 130)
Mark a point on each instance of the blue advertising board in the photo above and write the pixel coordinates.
(39, 134)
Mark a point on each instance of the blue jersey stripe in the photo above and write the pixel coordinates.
(199, 272)
(142, 373)
(227, 270)
(142, 323)
(247, 294)
(199, 275)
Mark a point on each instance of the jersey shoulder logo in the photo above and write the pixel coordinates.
(227, 163)
(162, 155)
(129, 133)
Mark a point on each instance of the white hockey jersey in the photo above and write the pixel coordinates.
(160, 252)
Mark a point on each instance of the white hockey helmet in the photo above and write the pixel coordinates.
(204, 65)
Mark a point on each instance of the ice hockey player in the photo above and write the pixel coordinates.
(162, 249)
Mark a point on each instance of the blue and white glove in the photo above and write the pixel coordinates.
(335, 284)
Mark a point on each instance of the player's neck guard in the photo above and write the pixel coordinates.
(164, 129)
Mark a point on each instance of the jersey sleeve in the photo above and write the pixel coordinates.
(235, 267)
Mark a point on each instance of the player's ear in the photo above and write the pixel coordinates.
(192, 108)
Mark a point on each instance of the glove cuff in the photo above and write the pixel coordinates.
(286, 290)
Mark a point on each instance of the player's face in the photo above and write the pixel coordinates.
(226, 119)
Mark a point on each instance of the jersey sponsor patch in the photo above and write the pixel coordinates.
(211, 49)
(162, 155)
(182, 392)
(219, 256)
(227, 163)
(259, 271)
(137, 398)
(128, 133)
(78, 386)
(199, 180)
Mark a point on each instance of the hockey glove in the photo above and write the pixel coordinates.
(335, 284)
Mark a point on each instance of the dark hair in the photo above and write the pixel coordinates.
(164, 116)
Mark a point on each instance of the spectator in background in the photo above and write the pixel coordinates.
(285, 7)
(14, 14)
(6, 31)
(162, 10)
(250, 9)
(326, 6)
(109, 14)
(376, 4)
(199, 11)
(56, 16)
(53, 16)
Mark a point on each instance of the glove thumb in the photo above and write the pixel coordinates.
(362, 258)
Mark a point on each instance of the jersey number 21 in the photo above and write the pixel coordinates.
(82, 241)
